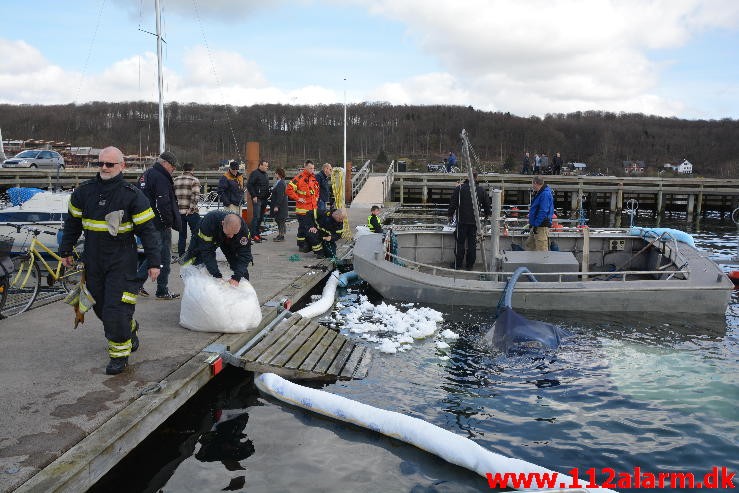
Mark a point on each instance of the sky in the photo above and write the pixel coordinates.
(528, 57)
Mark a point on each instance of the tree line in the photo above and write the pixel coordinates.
(289, 134)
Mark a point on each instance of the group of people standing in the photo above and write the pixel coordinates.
(114, 213)
(541, 164)
(462, 208)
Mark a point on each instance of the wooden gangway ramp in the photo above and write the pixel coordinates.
(298, 348)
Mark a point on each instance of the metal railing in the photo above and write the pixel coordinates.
(482, 275)
(387, 183)
(360, 178)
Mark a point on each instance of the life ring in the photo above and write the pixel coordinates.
(734, 276)
(555, 224)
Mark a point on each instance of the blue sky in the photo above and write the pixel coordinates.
(528, 57)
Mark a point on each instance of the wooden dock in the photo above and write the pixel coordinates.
(300, 349)
(693, 196)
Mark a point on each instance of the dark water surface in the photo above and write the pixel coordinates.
(660, 394)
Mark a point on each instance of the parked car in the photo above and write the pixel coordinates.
(35, 158)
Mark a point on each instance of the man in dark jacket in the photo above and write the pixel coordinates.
(324, 187)
(111, 212)
(328, 226)
(158, 186)
(224, 229)
(466, 234)
(258, 187)
(231, 188)
(278, 204)
(557, 164)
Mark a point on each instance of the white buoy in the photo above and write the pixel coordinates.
(326, 301)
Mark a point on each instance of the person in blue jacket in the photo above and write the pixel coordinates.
(451, 161)
(540, 215)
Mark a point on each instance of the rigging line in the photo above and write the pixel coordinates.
(84, 68)
(218, 80)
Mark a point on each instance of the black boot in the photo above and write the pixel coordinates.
(134, 336)
(116, 365)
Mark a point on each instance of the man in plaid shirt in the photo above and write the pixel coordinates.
(187, 191)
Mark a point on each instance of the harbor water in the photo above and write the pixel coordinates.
(659, 394)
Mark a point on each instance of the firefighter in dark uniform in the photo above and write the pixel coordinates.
(225, 229)
(111, 211)
(328, 226)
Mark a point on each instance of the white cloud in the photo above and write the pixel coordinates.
(224, 10)
(30, 78)
(436, 88)
(542, 56)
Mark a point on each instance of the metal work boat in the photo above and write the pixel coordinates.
(612, 270)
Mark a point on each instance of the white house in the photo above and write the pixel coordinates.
(685, 168)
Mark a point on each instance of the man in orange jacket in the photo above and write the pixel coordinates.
(304, 190)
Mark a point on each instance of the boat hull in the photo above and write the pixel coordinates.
(706, 291)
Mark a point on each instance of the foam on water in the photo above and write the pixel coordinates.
(390, 327)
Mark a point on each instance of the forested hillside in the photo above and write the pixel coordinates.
(206, 134)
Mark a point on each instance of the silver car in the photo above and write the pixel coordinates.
(35, 158)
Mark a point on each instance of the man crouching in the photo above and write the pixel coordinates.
(328, 226)
(227, 230)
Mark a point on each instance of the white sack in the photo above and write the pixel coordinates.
(220, 256)
(213, 305)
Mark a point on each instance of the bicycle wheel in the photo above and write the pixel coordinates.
(24, 286)
(71, 276)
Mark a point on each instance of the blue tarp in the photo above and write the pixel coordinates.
(651, 233)
(18, 195)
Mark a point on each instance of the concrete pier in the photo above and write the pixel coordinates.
(65, 423)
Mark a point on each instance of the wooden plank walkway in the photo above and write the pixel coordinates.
(301, 349)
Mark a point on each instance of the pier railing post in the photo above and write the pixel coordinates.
(585, 265)
(495, 231)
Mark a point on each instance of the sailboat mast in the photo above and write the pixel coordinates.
(346, 171)
(160, 76)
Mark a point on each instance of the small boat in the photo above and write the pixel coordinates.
(598, 271)
(45, 211)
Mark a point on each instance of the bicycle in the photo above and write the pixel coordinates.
(25, 282)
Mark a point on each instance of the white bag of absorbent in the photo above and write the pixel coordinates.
(213, 305)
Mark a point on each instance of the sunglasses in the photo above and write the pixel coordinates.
(107, 165)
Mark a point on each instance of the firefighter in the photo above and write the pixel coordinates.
(304, 190)
(328, 226)
(111, 211)
(225, 229)
(373, 221)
